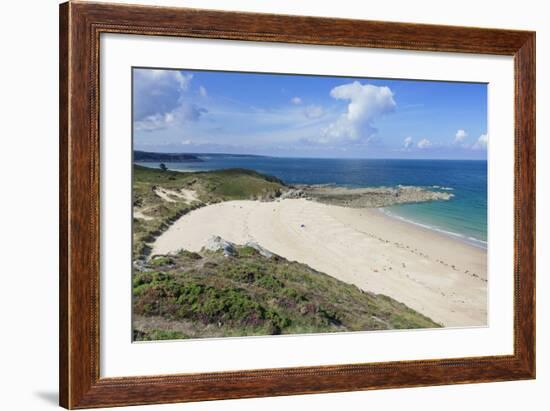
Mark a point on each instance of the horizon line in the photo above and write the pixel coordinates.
(308, 157)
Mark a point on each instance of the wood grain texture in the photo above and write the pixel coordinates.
(80, 27)
(525, 203)
(63, 205)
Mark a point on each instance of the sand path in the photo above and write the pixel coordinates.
(434, 274)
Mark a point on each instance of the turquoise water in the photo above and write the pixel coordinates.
(464, 216)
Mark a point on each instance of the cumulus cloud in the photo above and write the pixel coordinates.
(183, 113)
(460, 136)
(314, 111)
(203, 92)
(408, 142)
(296, 100)
(158, 91)
(481, 142)
(160, 99)
(165, 77)
(154, 122)
(424, 143)
(367, 103)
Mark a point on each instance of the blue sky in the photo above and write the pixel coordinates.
(307, 116)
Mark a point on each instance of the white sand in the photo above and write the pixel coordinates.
(168, 195)
(165, 194)
(189, 195)
(434, 274)
(139, 214)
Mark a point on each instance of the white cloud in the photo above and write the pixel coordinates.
(160, 99)
(183, 80)
(203, 92)
(154, 122)
(367, 103)
(314, 111)
(460, 136)
(408, 142)
(296, 100)
(481, 142)
(159, 80)
(183, 113)
(186, 142)
(424, 143)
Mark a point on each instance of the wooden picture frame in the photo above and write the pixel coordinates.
(80, 27)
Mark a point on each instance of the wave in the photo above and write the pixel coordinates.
(467, 239)
(443, 188)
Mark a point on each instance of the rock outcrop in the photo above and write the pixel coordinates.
(216, 243)
(373, 197)
(263, 251)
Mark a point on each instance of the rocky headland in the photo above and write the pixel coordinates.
(373, 197)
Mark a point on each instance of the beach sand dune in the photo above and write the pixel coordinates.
(437, 275)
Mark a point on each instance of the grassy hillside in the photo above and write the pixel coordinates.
(158, 201)
(191, 295)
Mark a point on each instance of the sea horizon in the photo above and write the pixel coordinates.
(199, 154)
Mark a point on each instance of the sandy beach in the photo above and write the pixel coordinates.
(437, 275)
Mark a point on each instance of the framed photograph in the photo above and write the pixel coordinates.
(260, 205)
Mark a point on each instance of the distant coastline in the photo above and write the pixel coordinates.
(153, 156)
(150, 157)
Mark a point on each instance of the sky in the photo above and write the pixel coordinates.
(191, 111)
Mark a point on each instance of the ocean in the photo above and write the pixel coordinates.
(464, 216)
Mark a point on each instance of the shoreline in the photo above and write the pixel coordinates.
(455, 235)
(475, 242)
(431, 272)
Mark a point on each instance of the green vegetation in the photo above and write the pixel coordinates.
(191, 295)
(158, 201)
